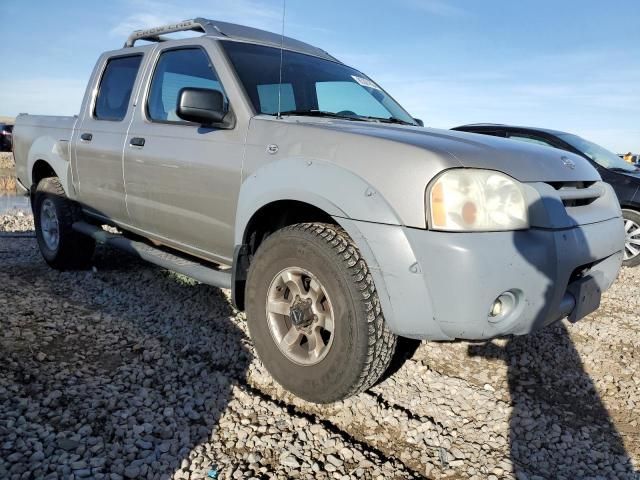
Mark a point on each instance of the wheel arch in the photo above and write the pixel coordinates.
(632, 207)
(50, 158)
(300, 190)
(41, 169)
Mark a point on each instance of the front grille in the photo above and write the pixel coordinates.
(577, 194)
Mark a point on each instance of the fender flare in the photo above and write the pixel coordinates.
(56, 154)
(335, 190)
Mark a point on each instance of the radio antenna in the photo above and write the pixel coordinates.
(284, 9)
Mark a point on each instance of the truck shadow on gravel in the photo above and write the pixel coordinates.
(559, 426)
(136, 366)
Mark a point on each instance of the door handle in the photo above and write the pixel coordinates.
(136, 142)
(87, 137)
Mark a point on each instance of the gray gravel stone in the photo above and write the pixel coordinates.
(289, 461)
(132, 471)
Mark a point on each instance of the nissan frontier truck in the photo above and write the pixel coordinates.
(264, 165)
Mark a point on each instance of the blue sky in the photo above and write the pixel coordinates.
(572, 65)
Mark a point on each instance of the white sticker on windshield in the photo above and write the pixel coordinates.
(365, 82)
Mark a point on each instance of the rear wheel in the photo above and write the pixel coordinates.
(54, 214)
(632, 238)
(314, 314)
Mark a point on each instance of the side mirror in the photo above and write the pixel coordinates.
(200, 105)
(419, 122)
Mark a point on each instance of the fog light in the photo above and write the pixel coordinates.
(496, 308)
(502, 306)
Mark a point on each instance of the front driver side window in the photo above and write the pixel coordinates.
(175, 70)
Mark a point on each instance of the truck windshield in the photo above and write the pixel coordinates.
(598, 154)
(310, 86)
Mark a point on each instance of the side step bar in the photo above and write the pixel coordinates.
(186, 266)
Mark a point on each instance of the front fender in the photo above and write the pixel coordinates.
(368, 219)
(335, 190)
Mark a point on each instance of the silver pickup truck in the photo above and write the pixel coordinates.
(265, 165)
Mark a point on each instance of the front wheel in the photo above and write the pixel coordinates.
(314, 314)
(632, 238)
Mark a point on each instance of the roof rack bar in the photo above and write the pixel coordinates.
(219, 30)
(153, 34)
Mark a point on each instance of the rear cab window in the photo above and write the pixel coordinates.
(116, 86)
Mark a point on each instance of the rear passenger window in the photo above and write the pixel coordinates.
(178, 69)
(116, 87)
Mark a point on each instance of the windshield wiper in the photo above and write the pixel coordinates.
(620, 169)
(361, 118)
(321, 113)
(390, 120)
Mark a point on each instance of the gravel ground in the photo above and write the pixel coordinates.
(7, 173)
(130, 371)
(6, 161)
(15, 222)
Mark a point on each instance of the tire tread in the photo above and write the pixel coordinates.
(382, 342)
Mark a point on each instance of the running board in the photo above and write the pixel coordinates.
(186, 266)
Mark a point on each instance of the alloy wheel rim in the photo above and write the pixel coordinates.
(300, 316)
(632, 239)
(49, 224)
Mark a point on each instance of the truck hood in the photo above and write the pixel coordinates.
(523, 161)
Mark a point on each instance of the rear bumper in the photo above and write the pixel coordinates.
(440, 285)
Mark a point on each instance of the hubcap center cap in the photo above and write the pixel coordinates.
(300, 316)
(49, 224)
(301, 313)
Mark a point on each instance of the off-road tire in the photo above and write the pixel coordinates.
(635, 218)
(362, 346)
(74, 251)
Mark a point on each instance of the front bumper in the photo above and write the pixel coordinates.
(21, 188)
(442, 285)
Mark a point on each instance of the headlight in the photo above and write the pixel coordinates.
(476, 200)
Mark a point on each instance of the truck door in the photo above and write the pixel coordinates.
(183, 179)
(100, 135)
